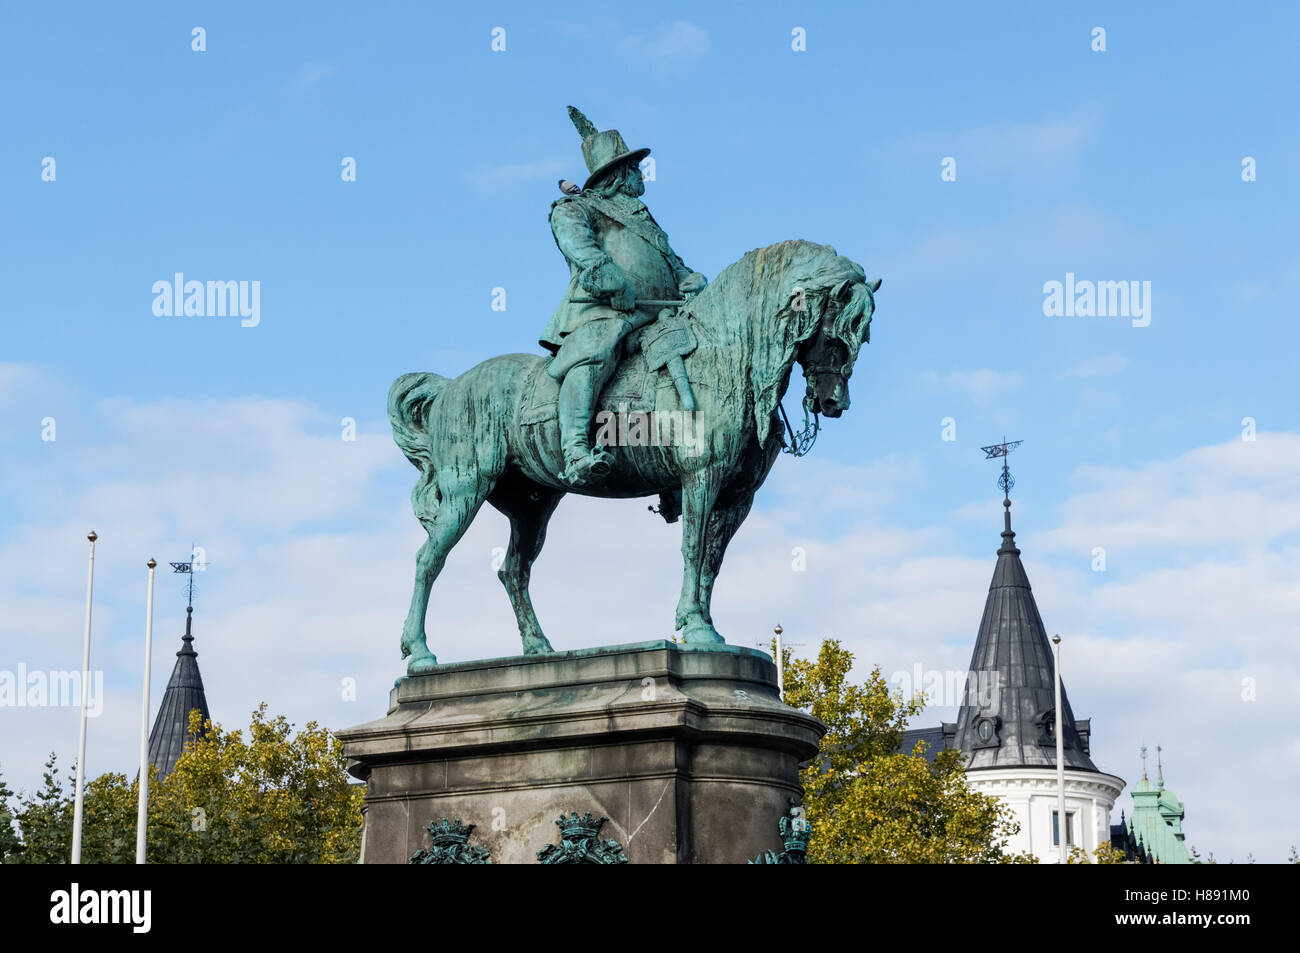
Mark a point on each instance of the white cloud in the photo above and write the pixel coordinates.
(310, 77)
(312, 544)
(1084, 238)
(981, 385)
(669, 49)
(1102, 365)
(1044, 147)
(1239, 492)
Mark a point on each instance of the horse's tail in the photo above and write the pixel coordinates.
(409, 401)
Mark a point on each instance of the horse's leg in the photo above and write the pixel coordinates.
(529, 507)
(724, 519)
(699, 494)
(728, 513)
(414, 644)
(462, 492)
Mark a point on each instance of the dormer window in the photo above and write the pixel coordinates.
(986, 731)
(1047, 727)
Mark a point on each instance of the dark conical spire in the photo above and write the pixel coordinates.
(1007, 716)
(184, 693)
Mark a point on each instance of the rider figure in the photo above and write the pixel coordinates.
(618, 255)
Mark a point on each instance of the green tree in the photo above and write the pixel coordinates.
(870, 802)
(276, 797)
(45, 821)
(10, 845)
(1104, 854)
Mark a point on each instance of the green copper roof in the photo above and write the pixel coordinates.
(1157, 821)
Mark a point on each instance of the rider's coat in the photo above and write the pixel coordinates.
(592, 232)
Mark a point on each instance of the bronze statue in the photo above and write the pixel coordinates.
(695, 385)
(618, 258)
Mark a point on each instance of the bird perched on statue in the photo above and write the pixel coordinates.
(569, 188)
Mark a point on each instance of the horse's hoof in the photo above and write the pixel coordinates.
(701, 633)
(537, 645)
(422, 664)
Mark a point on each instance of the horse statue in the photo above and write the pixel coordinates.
(491, 434)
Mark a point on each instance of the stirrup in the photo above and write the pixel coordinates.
(594, 465)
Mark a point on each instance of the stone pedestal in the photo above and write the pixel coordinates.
(687, 751)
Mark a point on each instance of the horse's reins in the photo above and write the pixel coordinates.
(801, 442)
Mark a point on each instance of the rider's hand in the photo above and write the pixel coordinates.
(624, 299)
(692, 283)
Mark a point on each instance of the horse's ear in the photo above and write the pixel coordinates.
(838, 292)
(874, 285)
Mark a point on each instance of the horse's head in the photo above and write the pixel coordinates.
(840, 324)
(794, 302)
(828, 304)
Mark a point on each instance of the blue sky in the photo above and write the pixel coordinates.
(225, 165)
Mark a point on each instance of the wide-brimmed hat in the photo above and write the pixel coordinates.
(602, 150)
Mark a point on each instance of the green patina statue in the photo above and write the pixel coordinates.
(619, 258)
(682, 382)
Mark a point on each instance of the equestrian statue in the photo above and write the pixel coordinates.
(681, 379)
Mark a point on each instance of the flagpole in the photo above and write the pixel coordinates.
(142, 810)
(85, 699)
(780, 664)
(1062, 827)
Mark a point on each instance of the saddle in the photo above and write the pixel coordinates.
(662, 343)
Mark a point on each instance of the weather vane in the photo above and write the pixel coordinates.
(1002, 450)
(189, 569)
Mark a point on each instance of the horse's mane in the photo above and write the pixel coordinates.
(746, 312)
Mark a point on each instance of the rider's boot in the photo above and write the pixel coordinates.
(583, 464)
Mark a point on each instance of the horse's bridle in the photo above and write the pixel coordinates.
(802, 441)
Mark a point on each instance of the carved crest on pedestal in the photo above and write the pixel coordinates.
(450, 845)
(580, 843)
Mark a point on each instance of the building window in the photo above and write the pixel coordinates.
(1047, 728)
(1069, 829)
(986, 731)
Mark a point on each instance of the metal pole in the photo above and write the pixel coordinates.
(780, 665)
(85, 700)
(1061, 821)
(142, 810)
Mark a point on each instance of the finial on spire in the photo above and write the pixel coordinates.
(187, 648)
(1006, 481)
(1144, 762)
(1160, 768)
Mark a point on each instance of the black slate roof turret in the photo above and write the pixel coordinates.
(184, 693)
(1011, 681)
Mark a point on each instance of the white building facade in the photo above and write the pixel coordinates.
(1031, 794)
